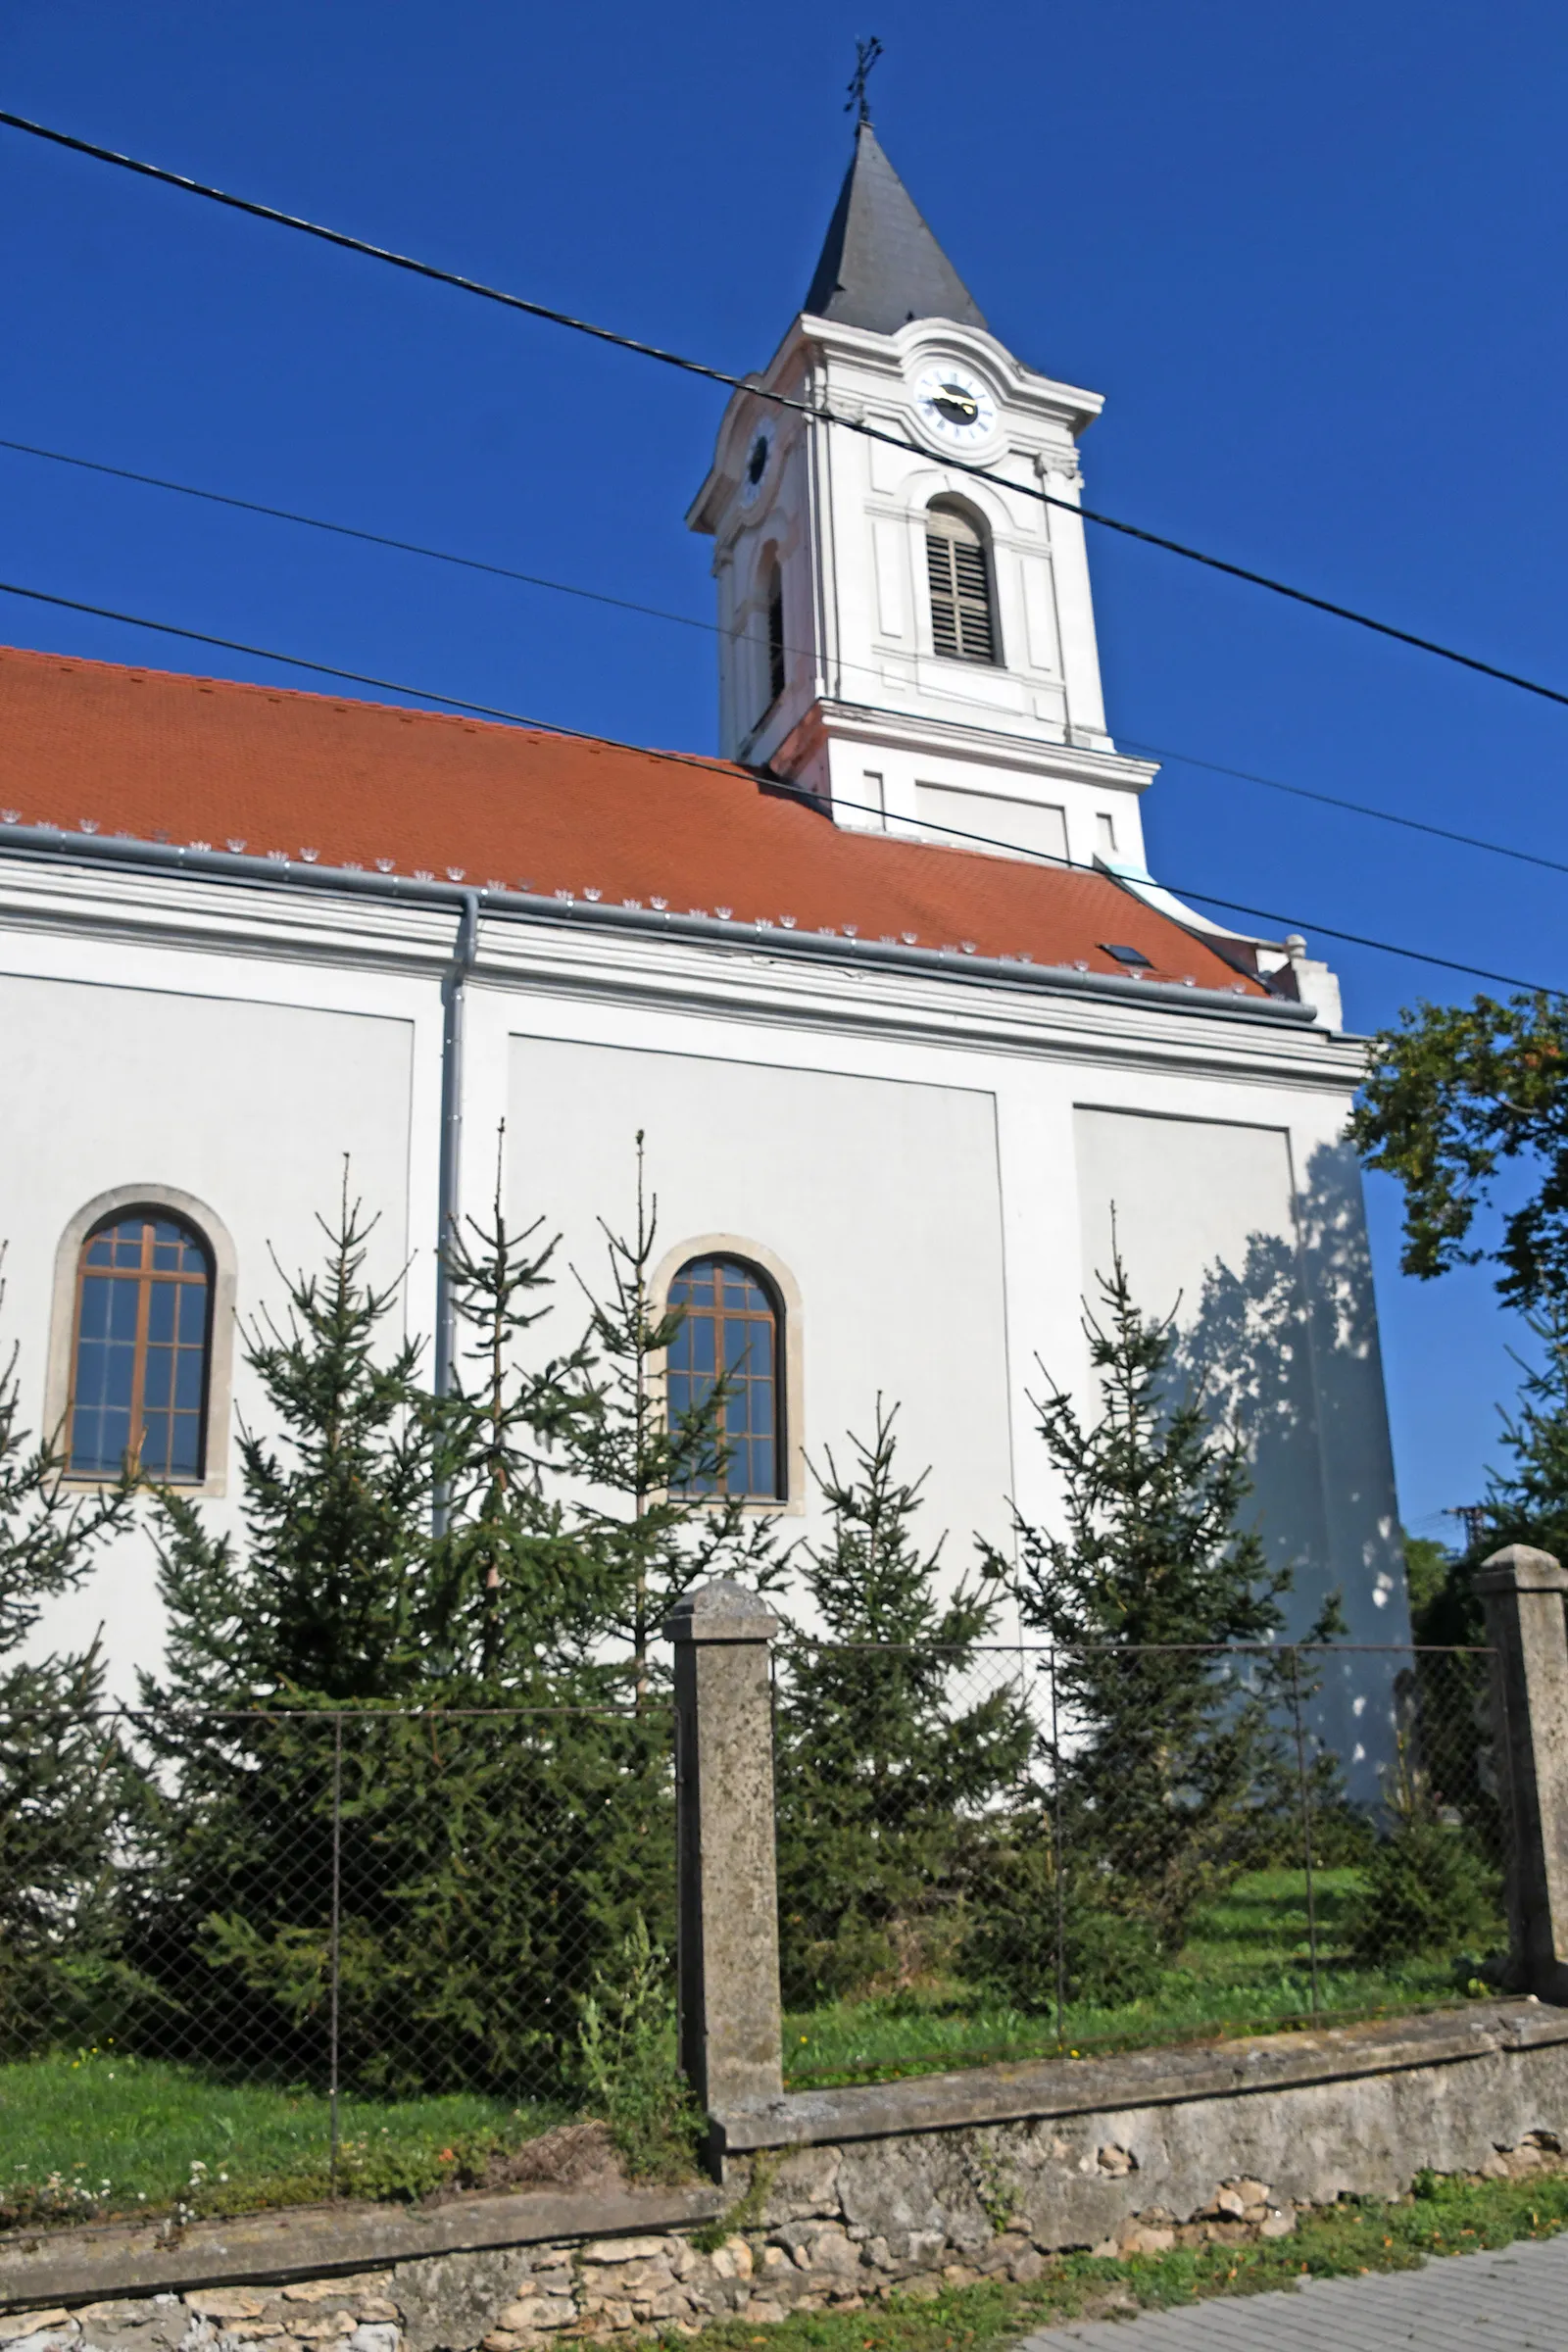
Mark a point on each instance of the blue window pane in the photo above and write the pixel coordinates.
(99, 1443)
(104, 1374)
(729, 1326)
(94, 1321)
(140, 1370)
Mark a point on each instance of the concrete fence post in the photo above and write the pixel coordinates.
(727, 1960)
(1522, 1591)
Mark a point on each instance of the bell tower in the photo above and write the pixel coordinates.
(913, 645)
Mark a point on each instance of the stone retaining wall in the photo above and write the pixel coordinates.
(635, 2288)
(849, 2220)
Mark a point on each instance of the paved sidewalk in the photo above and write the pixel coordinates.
(1516, 2297)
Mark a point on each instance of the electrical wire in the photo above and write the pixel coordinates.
(450, 701)
(783, 400)
(349, 530)
(1331, 799)
(686, 620)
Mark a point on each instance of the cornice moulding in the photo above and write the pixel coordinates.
(957, 739)
(720, 969)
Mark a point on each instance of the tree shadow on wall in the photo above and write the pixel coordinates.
(1286, 1347)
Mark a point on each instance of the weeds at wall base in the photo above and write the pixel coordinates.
(1359, 2235)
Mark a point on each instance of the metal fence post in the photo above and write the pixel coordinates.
(727, 1971)
(1522, 1591)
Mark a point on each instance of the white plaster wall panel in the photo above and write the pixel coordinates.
(1022, 825)
(1357, 1456)
(891, 541)
(1204, 1214)
(882, 1199)
(1040, 613)
(248, 1106)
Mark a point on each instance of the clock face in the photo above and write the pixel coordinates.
(956, 407)
(754, 472)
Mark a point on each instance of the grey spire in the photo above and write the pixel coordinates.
(880, 265)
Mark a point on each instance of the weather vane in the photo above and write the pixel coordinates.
(866, 54)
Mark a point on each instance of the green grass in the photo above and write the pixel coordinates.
(96, 2134)
(1247, 1970)
(1356, 2236)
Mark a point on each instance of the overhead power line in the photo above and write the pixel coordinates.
(1333, 799)
(686, 620)
(516, 718)
(349, 530)
(782, 400)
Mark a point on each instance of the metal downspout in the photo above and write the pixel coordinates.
(452, 994)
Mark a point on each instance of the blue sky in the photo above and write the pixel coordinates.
(1313, 258)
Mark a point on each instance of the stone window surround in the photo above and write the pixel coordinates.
(221, 1357)
(792, 1370)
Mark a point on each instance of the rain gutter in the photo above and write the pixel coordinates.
(39, 843)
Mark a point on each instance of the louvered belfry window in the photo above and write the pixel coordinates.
(962, 622)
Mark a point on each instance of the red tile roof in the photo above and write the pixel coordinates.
(190, 760)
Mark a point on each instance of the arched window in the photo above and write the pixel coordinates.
(775, 633)
(142, 1348)
(731, 1327)
(963, 623)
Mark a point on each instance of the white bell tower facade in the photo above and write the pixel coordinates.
(913, 645)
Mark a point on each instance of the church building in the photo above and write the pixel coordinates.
(906, 1023)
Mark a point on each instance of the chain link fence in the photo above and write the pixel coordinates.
(346, 1905)
(982, 1853)
(992, 1853)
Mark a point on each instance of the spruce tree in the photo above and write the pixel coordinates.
(565, 1825)
(448, 1686)
(1166, 1746)
(509, 1604)
(894, 1745)
(316, 1605)
(278, 1644)
(62, 1778)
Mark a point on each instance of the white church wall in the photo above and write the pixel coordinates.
(880, 1196)
(909, 1147)
(246, 1104)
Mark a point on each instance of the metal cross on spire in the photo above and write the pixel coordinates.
(866, 54)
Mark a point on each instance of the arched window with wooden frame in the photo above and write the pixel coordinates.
(957, 560)
(732, 1329)
(142, 1348)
